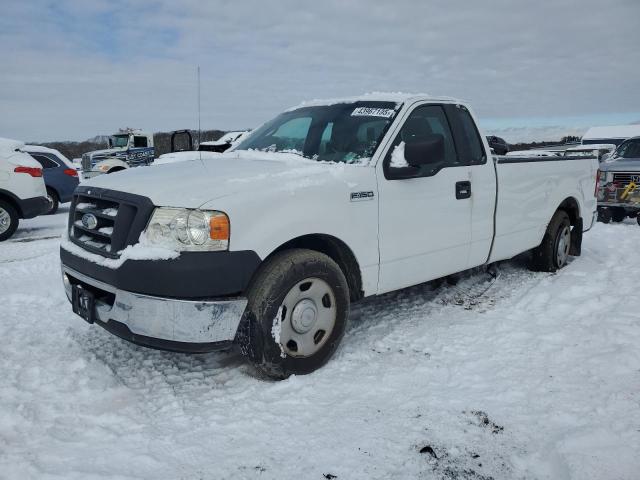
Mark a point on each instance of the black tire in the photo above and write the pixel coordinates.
(638, 219)
(553, 252)
(278, 277)
(604, 215)
(618, 214)
(8, 214)
(54, 201)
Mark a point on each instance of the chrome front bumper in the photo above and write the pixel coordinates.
(165, 319)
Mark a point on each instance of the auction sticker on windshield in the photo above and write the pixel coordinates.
(373, 112)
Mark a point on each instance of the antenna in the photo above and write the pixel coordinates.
(199, 129)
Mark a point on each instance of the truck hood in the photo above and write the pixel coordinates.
(192, 183)
(621, 165)
(182, 157)
(106, 152)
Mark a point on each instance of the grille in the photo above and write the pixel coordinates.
(625, 178)
(106, 221)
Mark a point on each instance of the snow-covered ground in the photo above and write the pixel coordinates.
(536, 377)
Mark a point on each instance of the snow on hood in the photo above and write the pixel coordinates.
(192, 183)
(174, 157)
(230, 137)
(107, 151)
(621, 165)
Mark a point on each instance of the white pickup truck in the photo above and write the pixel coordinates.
(267, 244)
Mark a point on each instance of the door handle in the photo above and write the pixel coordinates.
(463, 190)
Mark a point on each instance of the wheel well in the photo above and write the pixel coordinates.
(12, 202)
(115, 169)
(570, 205)
(49, 187)
(338, 251)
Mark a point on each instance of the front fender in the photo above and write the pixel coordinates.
(264, 218)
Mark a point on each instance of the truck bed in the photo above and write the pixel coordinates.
(529, 190)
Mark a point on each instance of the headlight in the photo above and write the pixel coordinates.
(188, 229)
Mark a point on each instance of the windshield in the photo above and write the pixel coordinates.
(120, 140)
(345, 132)
(629, 149)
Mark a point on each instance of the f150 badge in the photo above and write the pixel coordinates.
(361, 196)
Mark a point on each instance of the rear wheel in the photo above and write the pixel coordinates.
(8, 220)
(297, 313)
(54, 201)
(552, 254)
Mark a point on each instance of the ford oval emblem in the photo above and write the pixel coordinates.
(89, 221)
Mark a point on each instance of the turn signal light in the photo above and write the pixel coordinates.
(219, 227)
(71, 172)
(33, 171)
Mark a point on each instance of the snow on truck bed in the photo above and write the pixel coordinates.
(537, 376)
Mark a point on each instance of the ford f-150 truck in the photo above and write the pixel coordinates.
(619, 183)
(266, 245)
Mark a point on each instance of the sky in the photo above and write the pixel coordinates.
(70, 70)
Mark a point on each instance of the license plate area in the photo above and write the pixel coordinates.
(84, 303)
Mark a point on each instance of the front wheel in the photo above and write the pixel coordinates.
(604, 215)
(618, 214)
(296, 315)
(552, 254)
(8, 220)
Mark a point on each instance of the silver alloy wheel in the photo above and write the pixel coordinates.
(5, 220)
(308, 317)
(564, 244)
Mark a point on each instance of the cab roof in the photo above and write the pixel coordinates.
(395, 97)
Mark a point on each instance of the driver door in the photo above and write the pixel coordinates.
(424, 212)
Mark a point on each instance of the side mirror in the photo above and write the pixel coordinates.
(427, 152)
(605, 157)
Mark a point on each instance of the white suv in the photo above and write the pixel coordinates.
(22, 190)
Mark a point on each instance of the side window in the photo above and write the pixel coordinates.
(44, 161)
(467, 138)
(425, 124)
(139, 142)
